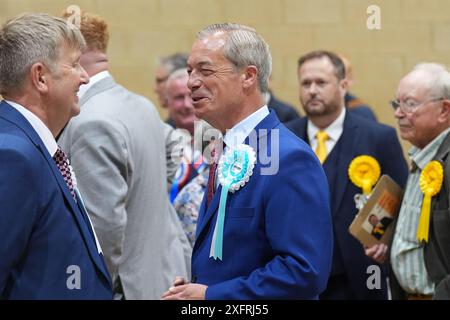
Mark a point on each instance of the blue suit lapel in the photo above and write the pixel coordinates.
(12, 115)
(348, 141)
(205, 214)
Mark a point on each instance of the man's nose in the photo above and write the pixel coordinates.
(398, 113)
(194, 82)
(84, 77)
(312, 89)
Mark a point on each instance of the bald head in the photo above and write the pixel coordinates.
(432, 77)
(424, 106)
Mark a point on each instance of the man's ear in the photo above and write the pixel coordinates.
(444, 115)
(249, 76)
(40, 76)
(343, 87)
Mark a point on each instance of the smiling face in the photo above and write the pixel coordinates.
(215, 84)
(179, 103)
(65, 81)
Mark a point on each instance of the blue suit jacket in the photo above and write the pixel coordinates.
(359, 137)
(47, 242)
(277, 232)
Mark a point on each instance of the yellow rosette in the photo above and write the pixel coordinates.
(364, 171)
(431, 180)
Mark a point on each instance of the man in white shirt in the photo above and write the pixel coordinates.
(338, 136)
(48, 248)
(259, 240)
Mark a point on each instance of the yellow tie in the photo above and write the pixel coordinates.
(321, 150)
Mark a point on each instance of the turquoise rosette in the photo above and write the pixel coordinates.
(234, 170)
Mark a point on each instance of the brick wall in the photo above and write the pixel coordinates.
(141, 30)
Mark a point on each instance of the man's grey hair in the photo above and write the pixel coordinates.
(244, 47)
(439, 78)
(175, 61)
(177, 74)
(31, 38)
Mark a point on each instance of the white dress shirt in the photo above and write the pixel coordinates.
(236, 135)
(41, 129)
(334, 131)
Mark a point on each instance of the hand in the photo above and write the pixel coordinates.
(377, 252)
(179, 281)
(190, 291)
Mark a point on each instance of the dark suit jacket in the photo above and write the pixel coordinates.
(359, 137)
(437, 251)
(358, 107)
(46, 236)
(284, 111)
(277, 239)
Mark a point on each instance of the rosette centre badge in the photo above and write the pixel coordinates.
(234, 171)
(364, 172)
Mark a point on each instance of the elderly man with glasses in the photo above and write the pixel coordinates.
(420, 250)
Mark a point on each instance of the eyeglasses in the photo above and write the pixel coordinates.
(410, 105)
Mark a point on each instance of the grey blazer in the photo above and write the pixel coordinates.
(117, 149)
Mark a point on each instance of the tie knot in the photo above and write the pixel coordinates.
(322, 135)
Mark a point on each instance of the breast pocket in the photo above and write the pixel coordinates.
(408, 222)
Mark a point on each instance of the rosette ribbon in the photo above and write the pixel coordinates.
(430, 180)
(234, 170)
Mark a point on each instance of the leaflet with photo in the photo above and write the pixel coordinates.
(374, 222)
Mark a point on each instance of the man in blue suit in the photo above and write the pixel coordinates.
(322, 89)
(48, 248)
(276, 238)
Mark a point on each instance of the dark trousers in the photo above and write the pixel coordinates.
(338, 288)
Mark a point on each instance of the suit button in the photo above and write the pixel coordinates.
(194, 279)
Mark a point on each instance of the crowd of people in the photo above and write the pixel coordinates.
(235, 196)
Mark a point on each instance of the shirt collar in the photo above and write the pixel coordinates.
(334, 130)
(236, 135)
(92, 80)
(41, 129)
(421, 157)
